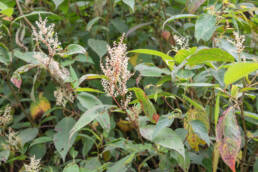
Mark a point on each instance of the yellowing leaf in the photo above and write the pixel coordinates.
(133, 59)
(39, 107)
(124, 125)
(215, 160)
(193, 139)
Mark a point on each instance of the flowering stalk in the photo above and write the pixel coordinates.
(47, 36)
(115, 70)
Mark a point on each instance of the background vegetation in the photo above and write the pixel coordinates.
(176, 92)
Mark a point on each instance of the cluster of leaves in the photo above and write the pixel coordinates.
(194, 89)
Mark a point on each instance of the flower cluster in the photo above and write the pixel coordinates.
(134, 113)
(62, 96)
(47, 36)
(13, 140)
(6, 116)
(238, 42)
(115, 70)
(181, 43)
(34, 165)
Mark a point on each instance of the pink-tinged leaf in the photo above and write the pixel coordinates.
(16, 81)
(228, 138)
(16, 77)
(193, 5)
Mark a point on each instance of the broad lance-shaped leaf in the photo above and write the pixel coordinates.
(88, 117)
(228, 137)
(209, 55)
(147, 106)
(239, 70)
(205, 27)
(166, 137)
(166, 58)
(72, 49)
(122, 165)
(61, 138)
(179, 16)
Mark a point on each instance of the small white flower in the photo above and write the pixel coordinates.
(181, 43)
(238, 42)
(62, 96)
(47, 36)
(13, 140)
(5, 116)
(34, 165)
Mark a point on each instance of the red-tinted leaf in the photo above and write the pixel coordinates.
(16, 81)
(155, 117)
(228, 137)
(16, 77)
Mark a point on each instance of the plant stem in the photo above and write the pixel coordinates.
(245, 133)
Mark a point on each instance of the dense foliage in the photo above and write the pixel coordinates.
(128, 85)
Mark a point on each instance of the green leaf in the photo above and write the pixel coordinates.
(38, 151)
(91, 76)
(166, 58)
(194, 103)
(164, 121)
(98, 46)
(43, 139)
(122, 164)
(71, 168)
(61, 139)
(4, 55)
(26, 56)
(27, 135)
(151, 71)
(91, 23)
(179, 16)
(57, 2)
(88, 90)
(169, 139)
(3, 6)
(182, 54)
(205, 27)
(208, 55)
(197, 84)
(216, 111)
(32, 14)
(8, 12)
(88, 101)
(200, 129)
(72, 49)
(119, 25)
(130, 3)
(104, 121)
(88, 117)
(148, 107)
(239, 70)
(249, 114)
